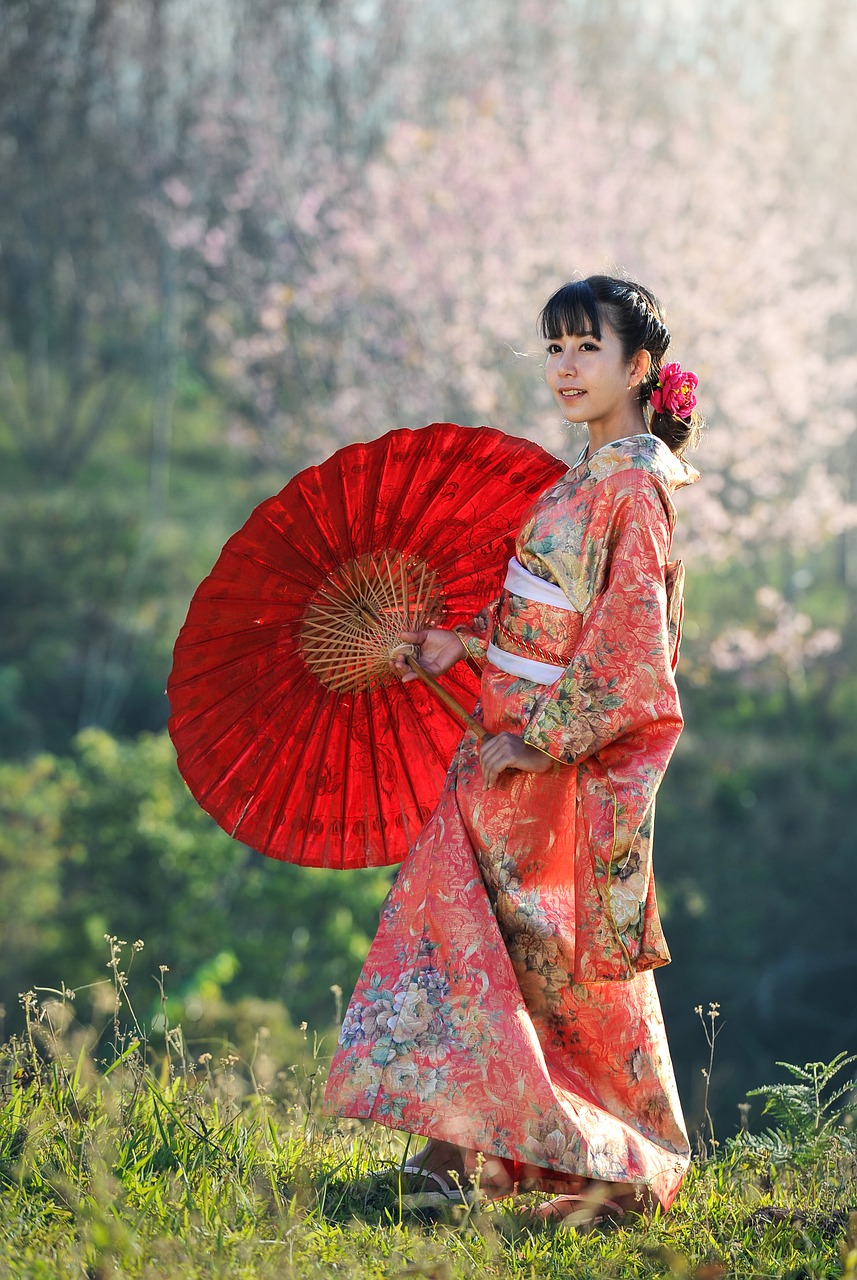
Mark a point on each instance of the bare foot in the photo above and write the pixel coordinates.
(600, 1202)
(445, 1158)
(437, 1157)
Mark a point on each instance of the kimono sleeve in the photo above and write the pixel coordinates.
(476, 635)
(620, 680)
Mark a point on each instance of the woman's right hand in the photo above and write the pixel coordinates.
(438, 651)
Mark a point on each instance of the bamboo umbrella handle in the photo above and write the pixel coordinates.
(473, 725)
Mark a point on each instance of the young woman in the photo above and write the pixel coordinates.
(507, 1009)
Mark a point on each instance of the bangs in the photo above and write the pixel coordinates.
(572, 310)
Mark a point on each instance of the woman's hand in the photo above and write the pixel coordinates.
(439, 650)
(508, 751)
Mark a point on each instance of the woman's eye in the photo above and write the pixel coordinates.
(554, 348)
(588, 346)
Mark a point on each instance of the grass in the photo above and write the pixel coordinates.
(152, 1165)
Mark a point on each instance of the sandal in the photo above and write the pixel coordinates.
(448, 1190)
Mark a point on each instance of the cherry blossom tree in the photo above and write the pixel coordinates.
(413, 295)
(347, 217)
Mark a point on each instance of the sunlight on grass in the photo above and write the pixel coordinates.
(120, 1159)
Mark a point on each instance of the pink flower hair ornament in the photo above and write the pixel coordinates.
(675, 391)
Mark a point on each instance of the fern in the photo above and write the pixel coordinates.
(775, 1146)
(808, 1107)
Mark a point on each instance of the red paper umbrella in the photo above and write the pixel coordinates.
(289, 733)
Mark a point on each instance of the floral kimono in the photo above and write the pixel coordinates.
(507, 1003)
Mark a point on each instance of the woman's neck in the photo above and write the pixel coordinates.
(601, 433)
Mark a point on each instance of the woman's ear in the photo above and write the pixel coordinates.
(640, 366)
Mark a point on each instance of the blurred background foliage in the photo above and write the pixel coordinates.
(235, 236)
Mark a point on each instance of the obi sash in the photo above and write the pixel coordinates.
(520, 582)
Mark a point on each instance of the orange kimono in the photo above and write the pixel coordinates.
(507, 1003)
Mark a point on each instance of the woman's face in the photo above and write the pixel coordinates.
(590, 377)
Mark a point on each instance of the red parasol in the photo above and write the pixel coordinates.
(293, 741)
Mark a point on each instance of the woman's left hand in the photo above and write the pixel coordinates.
(507, 751)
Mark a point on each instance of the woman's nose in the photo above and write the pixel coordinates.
(567, 363)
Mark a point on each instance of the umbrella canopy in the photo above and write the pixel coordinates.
(292, 739)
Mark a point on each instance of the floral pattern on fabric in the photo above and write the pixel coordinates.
(475, 637)
(506, 1003)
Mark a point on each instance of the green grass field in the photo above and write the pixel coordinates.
(119, 1161)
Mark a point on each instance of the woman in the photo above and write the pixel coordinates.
(506, 1009)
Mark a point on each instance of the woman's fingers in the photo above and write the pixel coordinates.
(508, 751)
(415, 638)
(494, 757)
(408, 640)
(438, 651)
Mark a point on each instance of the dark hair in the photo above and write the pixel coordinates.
(636, 317)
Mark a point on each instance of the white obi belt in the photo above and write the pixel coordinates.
(520, 582)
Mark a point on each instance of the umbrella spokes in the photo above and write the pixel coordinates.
(355, 620)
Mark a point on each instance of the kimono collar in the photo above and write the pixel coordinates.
(643, 452)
